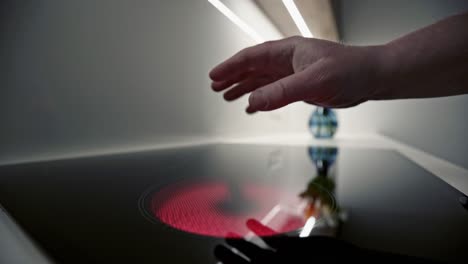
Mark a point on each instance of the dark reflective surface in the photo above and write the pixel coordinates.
(286, 249)
(364, 202)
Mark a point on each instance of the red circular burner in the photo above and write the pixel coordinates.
(216, 208)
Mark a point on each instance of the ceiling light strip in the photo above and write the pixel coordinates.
(298, 19)
(236, 20)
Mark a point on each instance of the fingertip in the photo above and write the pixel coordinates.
(249, 110)
(216, 74)
(218, 86)
(214, 86)
(228, 96)
(212, 74)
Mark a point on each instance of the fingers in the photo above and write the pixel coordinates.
(253, 58)
(245, 87)
(250, 110)
(218, 86)
(287, 90)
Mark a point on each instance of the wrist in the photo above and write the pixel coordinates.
(383, 72)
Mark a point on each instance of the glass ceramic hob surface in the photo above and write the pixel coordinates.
(178, 205)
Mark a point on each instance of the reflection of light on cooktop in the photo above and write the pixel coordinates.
(218, 208)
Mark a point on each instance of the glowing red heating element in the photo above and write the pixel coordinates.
(199, 208)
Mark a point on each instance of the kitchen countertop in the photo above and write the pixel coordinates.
(15, 247)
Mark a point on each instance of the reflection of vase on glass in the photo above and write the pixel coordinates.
(319, 195)
(323, 123)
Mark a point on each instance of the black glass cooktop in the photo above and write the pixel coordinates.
(237, 204)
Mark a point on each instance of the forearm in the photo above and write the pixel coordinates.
(429, 62)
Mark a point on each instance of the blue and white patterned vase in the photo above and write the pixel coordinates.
(323, 123)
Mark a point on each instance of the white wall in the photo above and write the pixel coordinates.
(95, 76)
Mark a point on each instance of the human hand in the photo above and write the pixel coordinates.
(319, 72)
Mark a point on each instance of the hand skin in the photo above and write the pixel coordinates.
(429, 62)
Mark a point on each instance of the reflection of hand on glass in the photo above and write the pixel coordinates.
(284, 249)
